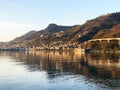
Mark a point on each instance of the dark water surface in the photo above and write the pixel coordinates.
(59, 71)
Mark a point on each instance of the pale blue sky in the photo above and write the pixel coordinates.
(20, 16)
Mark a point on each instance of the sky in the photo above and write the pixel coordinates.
(18, 17)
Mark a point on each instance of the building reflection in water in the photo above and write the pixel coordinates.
(99, 67)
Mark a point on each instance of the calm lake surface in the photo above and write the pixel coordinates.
(66, 70)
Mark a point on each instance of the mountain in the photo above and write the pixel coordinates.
(93, 27)
(52, 28)
(113, 32)
(103, 26)
(57, 38)
(27, 36)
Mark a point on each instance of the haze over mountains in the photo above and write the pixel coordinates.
(103, 26)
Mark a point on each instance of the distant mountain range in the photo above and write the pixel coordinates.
(103, 26)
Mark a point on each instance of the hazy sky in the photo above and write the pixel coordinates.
(17, 17)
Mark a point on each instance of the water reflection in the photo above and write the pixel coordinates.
(102, 69)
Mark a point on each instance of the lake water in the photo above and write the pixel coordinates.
(66, 70)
